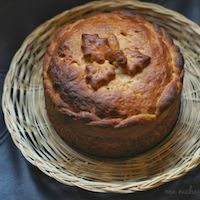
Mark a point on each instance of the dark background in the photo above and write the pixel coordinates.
(20, 180)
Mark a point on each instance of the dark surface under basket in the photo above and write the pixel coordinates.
(18, 178)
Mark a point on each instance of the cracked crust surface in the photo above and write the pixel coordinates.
(113, 70)
(125, 95)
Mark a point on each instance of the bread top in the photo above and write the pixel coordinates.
(113, 69)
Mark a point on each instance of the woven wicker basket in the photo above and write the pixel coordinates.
(31, 131)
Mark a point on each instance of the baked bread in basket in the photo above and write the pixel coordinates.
(112, 84)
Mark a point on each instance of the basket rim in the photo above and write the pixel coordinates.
(155, 181)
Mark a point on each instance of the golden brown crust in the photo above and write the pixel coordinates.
(104, 141)
(113, 73)
(64, 70)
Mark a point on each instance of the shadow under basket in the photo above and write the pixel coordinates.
(33, 134)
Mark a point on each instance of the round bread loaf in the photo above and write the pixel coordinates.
(112, 84)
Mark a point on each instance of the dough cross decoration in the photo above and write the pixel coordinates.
(103, 56)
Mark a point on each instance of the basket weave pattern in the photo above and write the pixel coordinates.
(31, 131)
